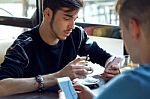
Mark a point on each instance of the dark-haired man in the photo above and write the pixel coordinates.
(39, 56)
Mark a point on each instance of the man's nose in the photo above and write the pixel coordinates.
(71, 24)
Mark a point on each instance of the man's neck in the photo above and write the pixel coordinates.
(145, 52)
(47, 35)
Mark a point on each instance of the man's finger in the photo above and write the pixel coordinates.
(77, 60)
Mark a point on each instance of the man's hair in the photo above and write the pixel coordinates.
(137, 9)
(55, 5)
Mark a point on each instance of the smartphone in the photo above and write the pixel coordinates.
(114, 62)
(66, 86)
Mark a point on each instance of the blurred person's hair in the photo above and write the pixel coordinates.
(136, 9)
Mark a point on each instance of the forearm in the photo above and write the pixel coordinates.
(11, 86)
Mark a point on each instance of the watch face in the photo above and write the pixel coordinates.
(40, 81)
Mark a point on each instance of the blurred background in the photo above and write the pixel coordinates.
(17, 16)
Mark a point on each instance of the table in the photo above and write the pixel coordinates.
(35, 95)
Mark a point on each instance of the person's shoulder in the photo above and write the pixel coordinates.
(26, 38)
(122, 78)
(131, 80)
(111, 88)
(137, 72)
(30, 33)
(140, 74)
(133, 76)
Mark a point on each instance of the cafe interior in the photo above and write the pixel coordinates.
(101, 25)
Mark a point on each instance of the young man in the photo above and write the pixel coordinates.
(135, 25)
(49, 51)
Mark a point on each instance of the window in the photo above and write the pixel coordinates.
(98, 12)
(16, 16)
(17, 8)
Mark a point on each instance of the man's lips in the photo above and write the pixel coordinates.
(68, 32)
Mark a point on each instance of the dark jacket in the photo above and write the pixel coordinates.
(30, 56)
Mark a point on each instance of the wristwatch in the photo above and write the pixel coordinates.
(40, 80)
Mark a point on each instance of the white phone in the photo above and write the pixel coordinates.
(114, 62)
(66, 86)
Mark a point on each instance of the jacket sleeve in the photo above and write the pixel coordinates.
(14, 63)
(96, 54)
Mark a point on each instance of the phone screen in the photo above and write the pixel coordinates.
(66, 86)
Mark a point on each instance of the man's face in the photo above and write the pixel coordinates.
(63, 22)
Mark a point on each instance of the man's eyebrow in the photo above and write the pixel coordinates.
(71, 16)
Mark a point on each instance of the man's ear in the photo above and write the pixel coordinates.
(48, 13)
(134, 27)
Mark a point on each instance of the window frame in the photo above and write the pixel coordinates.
(24, 22)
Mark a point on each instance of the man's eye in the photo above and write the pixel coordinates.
(66, 18)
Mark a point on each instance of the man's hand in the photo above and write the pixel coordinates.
(61, 95)
(110, 73)
(75, 69)
(83, 92)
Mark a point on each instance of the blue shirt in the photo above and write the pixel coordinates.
(133, 84)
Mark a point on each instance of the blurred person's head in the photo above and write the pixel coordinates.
(135, 25)
(59, 16)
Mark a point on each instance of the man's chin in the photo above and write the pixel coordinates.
(63, 38)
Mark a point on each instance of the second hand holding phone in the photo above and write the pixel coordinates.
(114, 62)
(66, 86)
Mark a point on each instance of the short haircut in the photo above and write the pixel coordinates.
(55, 5)
(137, 9)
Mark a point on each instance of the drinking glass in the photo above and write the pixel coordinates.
(126, 63)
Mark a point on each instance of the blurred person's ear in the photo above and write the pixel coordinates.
(134, 28)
